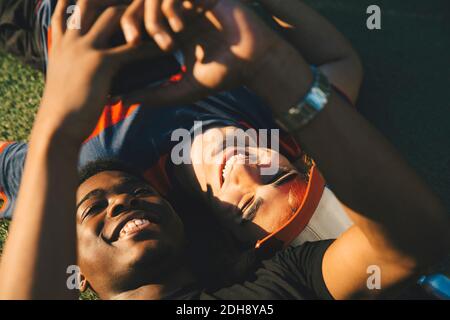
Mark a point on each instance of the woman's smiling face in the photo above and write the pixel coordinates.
(235, 181)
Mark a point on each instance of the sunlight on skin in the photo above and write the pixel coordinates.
(283, 23)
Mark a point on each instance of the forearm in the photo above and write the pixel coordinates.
(41, 243)
(316, 38)
(399, 213)
(320, 43)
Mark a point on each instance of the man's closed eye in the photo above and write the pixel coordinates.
(93, 209)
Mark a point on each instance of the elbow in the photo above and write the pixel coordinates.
(357, 73)
(346, 74)
(358, 69)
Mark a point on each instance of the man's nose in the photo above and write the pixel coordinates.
(121, 203)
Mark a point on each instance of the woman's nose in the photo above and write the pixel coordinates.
(246, 175)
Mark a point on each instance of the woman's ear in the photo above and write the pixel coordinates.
(84, 284)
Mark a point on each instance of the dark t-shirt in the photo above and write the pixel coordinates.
(293, 274)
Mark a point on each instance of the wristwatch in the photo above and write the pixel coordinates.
(315, 100)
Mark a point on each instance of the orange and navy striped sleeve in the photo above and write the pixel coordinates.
(12, 160)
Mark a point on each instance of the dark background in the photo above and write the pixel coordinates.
(406, 90)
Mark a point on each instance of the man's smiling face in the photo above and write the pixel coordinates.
(125, 230)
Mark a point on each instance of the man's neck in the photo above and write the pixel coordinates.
(158, 291)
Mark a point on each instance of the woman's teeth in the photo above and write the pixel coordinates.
(132, 226)
(239, 158)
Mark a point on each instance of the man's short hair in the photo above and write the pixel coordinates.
(95, 167)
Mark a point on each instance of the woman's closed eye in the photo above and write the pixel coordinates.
(282, 176)
(247, 203)
(142, 192)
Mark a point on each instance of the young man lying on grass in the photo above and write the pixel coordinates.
(394, 231)
(141, 136)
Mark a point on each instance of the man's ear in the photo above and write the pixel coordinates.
(84, 284)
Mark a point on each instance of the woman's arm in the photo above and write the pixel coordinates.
(400, 227)
(320, 43)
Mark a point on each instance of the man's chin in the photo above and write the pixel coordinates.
(148, 255)
(139, 246)
(150, 250)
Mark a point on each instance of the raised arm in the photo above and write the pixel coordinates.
(320, 43)
(42, 241)
(400, 225)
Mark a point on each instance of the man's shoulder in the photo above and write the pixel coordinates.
(292, 274)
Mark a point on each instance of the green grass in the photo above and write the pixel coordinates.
(3, 233)
(20, 91)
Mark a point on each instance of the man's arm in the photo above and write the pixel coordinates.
(400, 225)
(42, 241)
(320, 43)
(42, 238)
(43, 229)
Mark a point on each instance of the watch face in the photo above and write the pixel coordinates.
(317, 98)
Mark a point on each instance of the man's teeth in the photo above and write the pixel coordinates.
(133, 225)
(239, 158)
